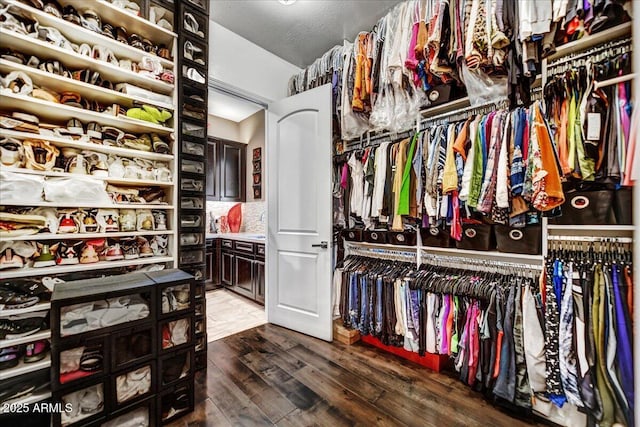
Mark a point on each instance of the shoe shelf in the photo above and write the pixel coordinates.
(72, 60)
(101, 265)
(133, 23)
(591, 40)
(107, 149)
(86, 90)
(78, 34)
(25, 368)
(41, 306)
(28, 400)
(41, 335)
(119, 181)
(82, 236)
(49, 111)
(94, 205)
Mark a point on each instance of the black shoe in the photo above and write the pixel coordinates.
(12, 329)
(10, 300)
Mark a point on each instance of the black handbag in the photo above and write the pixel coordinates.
(586, 208)
(402, 238)
(527, 240)
(623, 206)
(436, 237)
(477, 237)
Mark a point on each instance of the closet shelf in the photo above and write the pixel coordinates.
(446, 107)
(86, 90)
(82, 236)
(41, 335)
(72, 60)
(117, 181)
(133, 24)
(42, 306)
(101, 265)
(28, 400)
(49, 111)
(591, 40)
(591, 227)
(64, 142)
(78, 34)
(89, 205)
(25, 368)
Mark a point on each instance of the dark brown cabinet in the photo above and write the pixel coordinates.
(244, 276)
(258, 281)
(227, 268)
(243, 269)
(226, 173)
(212, 271)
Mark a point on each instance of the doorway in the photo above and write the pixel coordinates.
(236, 214)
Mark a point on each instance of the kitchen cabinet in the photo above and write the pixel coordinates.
(243, 269)
(212, 271)
(226, 173)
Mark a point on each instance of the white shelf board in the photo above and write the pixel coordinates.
(78, 34)
(40, 335)
(90, 205)
(591, 227)
(58, 269)
(25, 368)
(72, 60)
(30, 399)
(133, 24)
(86, 90)
(82, 236)
(446, 107)
(41, 306)
(119, 181)
(591, 40)
(60, 113)
(64, 142)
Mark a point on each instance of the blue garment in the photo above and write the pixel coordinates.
(624, 354)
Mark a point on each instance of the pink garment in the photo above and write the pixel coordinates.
(444, 342)
(632, 168)
(456, 221)
(412, 62)
(474, 344)
(344, 178)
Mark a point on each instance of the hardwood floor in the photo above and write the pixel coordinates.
(272, 376)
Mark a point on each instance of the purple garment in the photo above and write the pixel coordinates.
(444, 341)
(344, 178)
(624, 354)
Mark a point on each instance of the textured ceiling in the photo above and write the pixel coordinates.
(229, 107)
(303, 31)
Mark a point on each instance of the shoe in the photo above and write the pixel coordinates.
(10, 260)
(89, 254)
(67, 253)
(77, 165)
(193, 52)
(144, 248)
(75, 127)
(160, 218)
(45, 259)
(13, 329)
(91, 359)
(36, 351)
(112, 253)
(130, 248)
(11, 152)
(160, 146)
(193, 74)
(111, 224)
(9, 357)
(67, 225)
(145, 220)
(190, 24)
(10, 300)
(94, 131)
(143, 143)
(89, 222)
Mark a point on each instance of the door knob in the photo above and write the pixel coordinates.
(323, 245)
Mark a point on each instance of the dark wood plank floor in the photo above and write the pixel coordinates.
(272, 376)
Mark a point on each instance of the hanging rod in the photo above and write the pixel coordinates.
(575, 56)
(616, 80)
(467, 262)
(590, 239)
(465, 112)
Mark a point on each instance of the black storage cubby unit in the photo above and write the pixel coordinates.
(192, 24)
(119, 342)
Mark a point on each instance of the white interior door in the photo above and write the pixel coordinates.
(299, 213)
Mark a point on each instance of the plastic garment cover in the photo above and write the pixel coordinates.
(20, 188)
(76, 190)
(482, 88)
(353, 124)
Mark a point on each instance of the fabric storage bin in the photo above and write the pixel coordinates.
(138, 414)
(132, 346)
(176, 401)
(133, 385)
(527, 240)
(586, 208)
(477, 237)
(375, 236)
(78, 361)
(623, 206)
(176, 366)
(352, 234)
(436, 237)
(402, 238)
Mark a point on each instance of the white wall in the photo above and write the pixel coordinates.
(245, 66)
(252, 132)
(222, 128)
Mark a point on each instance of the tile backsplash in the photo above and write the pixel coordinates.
(253, 220)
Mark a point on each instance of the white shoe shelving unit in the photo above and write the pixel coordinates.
(59, 114)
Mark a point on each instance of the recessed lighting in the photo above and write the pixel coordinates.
(286, 2)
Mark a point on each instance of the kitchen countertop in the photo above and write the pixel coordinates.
(245, 237)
